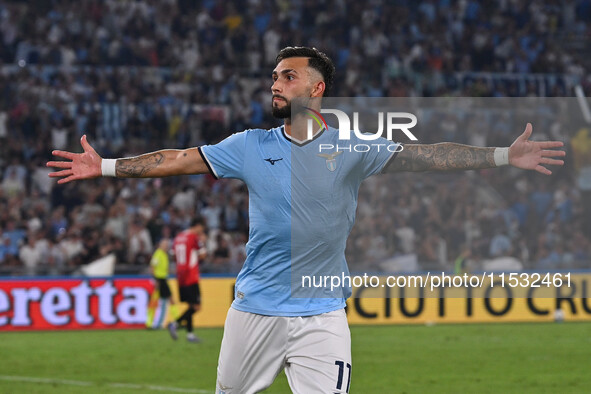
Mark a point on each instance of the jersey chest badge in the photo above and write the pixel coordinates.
(331, 162)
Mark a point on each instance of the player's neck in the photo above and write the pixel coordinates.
(299, 134)
(287, 126)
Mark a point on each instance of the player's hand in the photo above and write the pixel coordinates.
(530, 155)
(77, 165)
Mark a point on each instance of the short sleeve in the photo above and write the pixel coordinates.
(380, 154)
(226, 158)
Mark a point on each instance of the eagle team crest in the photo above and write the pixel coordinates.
(331, 162)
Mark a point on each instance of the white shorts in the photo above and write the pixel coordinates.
(315, 352)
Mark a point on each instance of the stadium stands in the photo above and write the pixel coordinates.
(137, 76)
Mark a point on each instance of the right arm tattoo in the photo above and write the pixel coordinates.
(139, 166)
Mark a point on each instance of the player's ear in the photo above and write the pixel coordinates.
(318, 89)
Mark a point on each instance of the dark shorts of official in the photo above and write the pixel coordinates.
(190, 294)
(163, 288)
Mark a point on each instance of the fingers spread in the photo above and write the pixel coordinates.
(60, 173)
(66, 180)
(527, 133)
(59, 164)
(554, 162)
(550, 144)
(543, 170)
(85, 145)
(553, 153)
(65, 155)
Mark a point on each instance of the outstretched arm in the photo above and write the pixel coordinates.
(161, 163)
(447, 156)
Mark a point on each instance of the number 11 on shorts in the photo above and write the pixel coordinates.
(341, 365)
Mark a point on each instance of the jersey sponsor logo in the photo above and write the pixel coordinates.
(273, 161)
(331, 162)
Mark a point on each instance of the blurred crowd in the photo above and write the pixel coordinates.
(477, 220)
(137, 76)
(426, 36)
(495, 218)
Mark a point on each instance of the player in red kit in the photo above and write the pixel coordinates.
(189, 248)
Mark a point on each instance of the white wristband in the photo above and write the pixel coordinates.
(501, 157)
(108, 167)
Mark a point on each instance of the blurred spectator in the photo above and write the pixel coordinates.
(212, 214)
(34, 254)
(140, 243)
(221, 254)
(72, 246)
(500, 246)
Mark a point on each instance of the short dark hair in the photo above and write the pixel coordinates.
(197, 220)
(316, 59)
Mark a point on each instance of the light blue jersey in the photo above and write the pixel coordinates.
(302, 207)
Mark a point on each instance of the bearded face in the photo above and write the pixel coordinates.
(280, 107)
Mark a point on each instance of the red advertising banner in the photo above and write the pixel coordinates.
(70, 304)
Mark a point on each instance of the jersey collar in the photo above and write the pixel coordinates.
(298, 142)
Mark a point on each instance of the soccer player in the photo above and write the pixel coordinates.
(267, 329)
(159, 267)
(188, 249)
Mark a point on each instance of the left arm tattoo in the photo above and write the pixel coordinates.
(445, 156)
(139, 166)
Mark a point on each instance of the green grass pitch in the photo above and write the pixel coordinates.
(476, 358)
